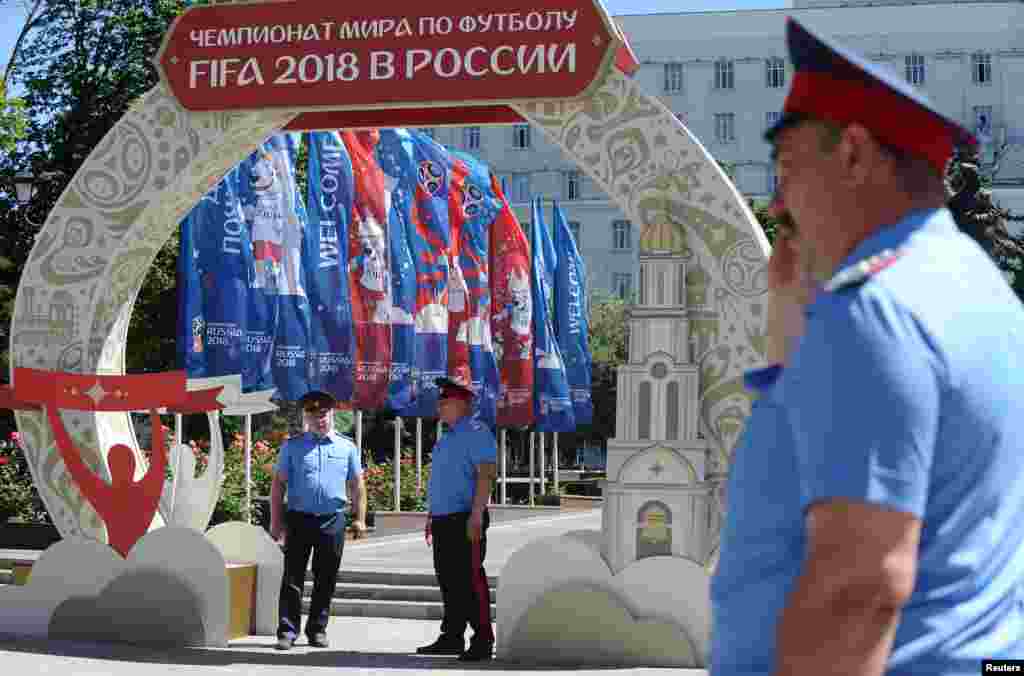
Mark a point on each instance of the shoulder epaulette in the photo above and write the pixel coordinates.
(860, 272)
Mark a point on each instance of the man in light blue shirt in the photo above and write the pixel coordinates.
(316, 468)
(876, 512)
(463, 465)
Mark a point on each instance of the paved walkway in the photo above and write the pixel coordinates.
(358, 645)
(409, 553)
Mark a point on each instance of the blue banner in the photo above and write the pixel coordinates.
(430, 242)
(191, 344)
(571, 314)
(330, 192)
(553, 410)
(400, 194)
(221, 254)
(478, 207)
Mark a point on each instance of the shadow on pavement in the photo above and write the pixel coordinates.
(262, 654)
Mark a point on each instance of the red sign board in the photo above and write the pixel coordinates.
(393, 53)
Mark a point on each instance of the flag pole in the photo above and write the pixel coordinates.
(504, 466)
(398, 464)
(419, 456)
(532, 453)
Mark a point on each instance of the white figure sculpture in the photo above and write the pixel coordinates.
(188, 500)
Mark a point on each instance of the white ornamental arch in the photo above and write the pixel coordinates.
(78, 287)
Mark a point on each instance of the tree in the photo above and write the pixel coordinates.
(79, 64)
(970, 200)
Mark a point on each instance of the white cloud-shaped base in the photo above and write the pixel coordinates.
(559, 604)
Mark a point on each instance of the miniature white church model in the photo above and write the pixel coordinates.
(657, 502)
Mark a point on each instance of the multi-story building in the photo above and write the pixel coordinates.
(726, 75)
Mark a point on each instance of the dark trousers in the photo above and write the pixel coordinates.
(324, 536)
(459, 565)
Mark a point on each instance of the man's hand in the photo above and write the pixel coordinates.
(474, 526)
(428, 534)
(790, 289)
(358, 529)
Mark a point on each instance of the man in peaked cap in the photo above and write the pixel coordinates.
(892, 538)
(322, 474)
(463, 465)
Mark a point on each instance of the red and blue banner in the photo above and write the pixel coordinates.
(512, 315)
(330, 189)
(571, 323)
(369, 272)
(553, 411)
(475, 208)
(400, 194)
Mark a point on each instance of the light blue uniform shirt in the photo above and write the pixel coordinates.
(453, 465)
(906, 392)
(762, 539)
(316, 470)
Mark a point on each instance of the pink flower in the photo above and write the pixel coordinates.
(4, 460)
(16, 437)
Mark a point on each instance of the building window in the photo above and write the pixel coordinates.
(520, 187)
(573, 185)
(574, 228)
(471, 138)
(643, 409)
(981, 68)
(521, 136)
(775, 73)
(506, 186)
(725, 127)
(724, 74)
(773, 182)
(672, 411)
(622, 284)
(673, 78)
(983, 121)
(915, 69)
(622, 235)
(770, 118)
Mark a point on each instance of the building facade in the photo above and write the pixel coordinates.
(726, 74)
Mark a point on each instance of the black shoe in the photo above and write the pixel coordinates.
(444, 645)
(319, 640)
(478, 652)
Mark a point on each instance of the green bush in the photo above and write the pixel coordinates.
(380, 485)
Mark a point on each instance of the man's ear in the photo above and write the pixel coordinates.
(857, 153)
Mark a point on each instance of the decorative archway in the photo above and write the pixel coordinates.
(77, 290)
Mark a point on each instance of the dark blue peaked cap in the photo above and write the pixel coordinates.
(833, 84)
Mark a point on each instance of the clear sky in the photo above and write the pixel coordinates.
(12, 13)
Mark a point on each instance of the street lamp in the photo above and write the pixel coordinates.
(24, 188)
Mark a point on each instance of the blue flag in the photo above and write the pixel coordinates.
(431, 246)
(191, 343)
(553, 411)
(400, 194)
(219, 252)
(330, 190)
(476, 209)
(571, 314)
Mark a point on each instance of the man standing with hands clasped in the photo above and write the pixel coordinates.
(315, 467)
(876, 500)
(463, 465)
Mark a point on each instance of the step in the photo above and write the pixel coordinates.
(386, 592)
(405, 610)
(393, 578)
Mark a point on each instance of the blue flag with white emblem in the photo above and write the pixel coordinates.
(571, 314)
(330, 190)
(278, 326)
(216, 243)
(476, 208)
(400, 194)
(553, 411)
